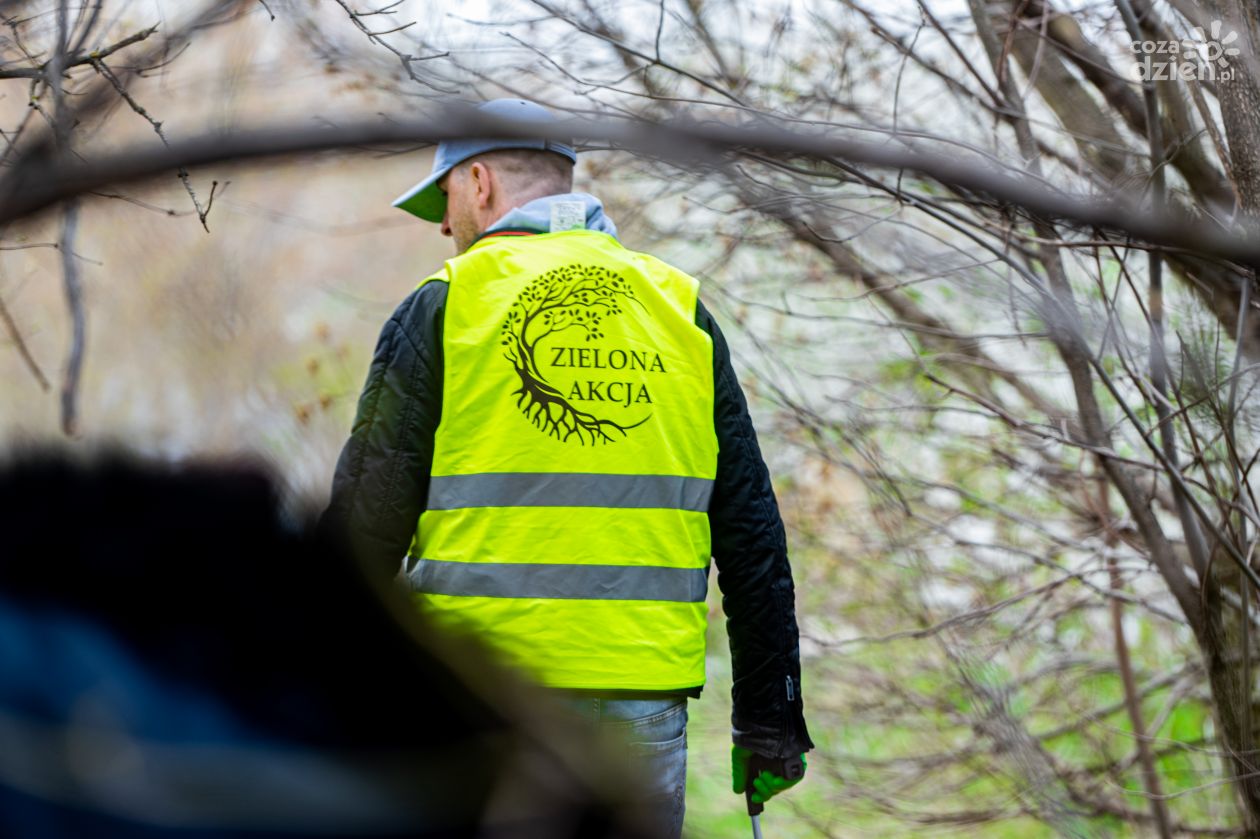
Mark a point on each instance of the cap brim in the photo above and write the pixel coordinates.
(424, 200)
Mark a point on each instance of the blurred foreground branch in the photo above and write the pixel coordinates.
(42, 179)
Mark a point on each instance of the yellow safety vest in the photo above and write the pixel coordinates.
(567, 517)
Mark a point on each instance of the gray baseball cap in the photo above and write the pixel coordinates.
(428, 202)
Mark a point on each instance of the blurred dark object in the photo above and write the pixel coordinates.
(178, 659)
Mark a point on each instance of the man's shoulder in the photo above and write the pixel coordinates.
(419, 315)
(430, 293)
(706, 321)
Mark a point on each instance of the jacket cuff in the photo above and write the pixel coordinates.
(771, 743)
(788, 739)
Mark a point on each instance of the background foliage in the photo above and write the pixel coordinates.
(1014, 453)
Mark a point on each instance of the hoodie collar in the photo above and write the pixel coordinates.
(535, 216)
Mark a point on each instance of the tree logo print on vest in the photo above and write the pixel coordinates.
(590, 391)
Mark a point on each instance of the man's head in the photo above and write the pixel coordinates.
(483, 188)
(484, 175)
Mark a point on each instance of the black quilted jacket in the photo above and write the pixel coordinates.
(382, 480)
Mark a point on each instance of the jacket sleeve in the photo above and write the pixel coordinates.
(750, 550)
(382, 477)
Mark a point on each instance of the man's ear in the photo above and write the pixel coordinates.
(482, 184)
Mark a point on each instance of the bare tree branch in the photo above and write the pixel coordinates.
(41, 181)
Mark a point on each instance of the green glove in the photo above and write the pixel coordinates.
(774, 775)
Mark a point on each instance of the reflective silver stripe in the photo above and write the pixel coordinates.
(569, 489)
(562, 582)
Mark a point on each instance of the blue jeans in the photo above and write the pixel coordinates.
(655, 732)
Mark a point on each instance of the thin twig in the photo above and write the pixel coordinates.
(184, 178)
(1132, 704)
(69, 266)
(16, 336)
(43, 71)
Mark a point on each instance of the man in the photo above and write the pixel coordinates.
(551, 432)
